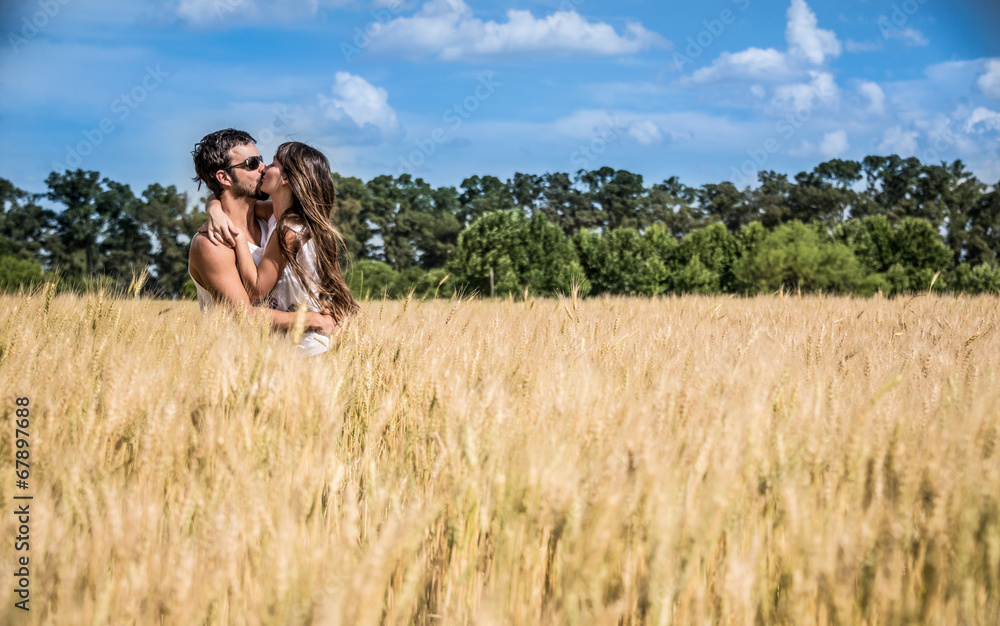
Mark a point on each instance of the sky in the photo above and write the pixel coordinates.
(447, 89)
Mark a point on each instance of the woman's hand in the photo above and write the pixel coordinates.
(322, 323)
(219, 228)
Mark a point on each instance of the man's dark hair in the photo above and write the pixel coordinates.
(211, 154)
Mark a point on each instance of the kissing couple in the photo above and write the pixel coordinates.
(271, 256)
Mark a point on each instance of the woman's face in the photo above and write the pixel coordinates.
(273, 178)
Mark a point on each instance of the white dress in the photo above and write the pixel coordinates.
(289, 292)
(205, 298)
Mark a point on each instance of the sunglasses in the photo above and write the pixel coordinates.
(251, 163)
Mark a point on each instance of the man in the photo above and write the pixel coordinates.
(229, 163)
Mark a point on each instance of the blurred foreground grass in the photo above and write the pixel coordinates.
(672, 461)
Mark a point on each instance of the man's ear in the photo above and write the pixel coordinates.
(224, 180)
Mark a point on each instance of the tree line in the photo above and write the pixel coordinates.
(885, 223)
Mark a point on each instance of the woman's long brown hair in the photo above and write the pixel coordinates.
(314, 201)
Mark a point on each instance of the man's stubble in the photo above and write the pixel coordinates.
(246, 191)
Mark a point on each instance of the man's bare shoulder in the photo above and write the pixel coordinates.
(204, 250)
(206, 259)
(214, 268)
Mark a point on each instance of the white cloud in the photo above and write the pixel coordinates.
(875, 96)
(806, 149)
(645, 130)
(589, 122)
(805, 38)
(895, 140)
(808, 46)
(803, 96)
(197, 12)
(750, 64)
(909, 36)
(948, 70)
(645, 133)
(862, 46)
(834, 144)
(448, 29)
(362, 102)
(989, 80)
(990, 120)
(203, 13)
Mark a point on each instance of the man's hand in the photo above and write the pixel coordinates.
(322, 324)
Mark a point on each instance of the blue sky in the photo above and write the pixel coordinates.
(445, 89)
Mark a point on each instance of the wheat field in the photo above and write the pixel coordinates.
(696, 460)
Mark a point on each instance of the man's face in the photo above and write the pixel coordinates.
(245, 182)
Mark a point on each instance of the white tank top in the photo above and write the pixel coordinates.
(289, 292)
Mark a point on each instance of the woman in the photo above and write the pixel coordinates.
(301, 261)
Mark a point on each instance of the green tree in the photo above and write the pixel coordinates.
(417, 225)
(725, 203)
(432, 283)
(352, 215)
(567, 207)
(622, 261)
(695, 277)
(947, 196)
(522, 252)
(371, 279)
(716, 252)
(771, 199)
(748, 241)
(482, 195)
(618, 193)
(920, 252)
(73, 248)
(906, 256)
(662, 244)
(527, 191)
(872, 241)
(24, 225)
(979, 279)
(171, 224)
(901, 188)
(123, 247)
(826, 193)
(673, 205)
(795, 257)
(439, 230)
(390, 209)
(19, 273)
(983, 230)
